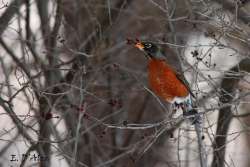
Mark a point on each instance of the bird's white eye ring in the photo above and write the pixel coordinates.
(148, 45)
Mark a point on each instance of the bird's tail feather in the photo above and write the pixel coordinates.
(191, 111)
(196, 119)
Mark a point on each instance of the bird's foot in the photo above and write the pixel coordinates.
(178, 105)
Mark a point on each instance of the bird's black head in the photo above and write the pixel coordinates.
(149, 48)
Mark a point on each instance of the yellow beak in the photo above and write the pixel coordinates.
(139, 45)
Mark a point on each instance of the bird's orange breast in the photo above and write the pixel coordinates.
(163, 81)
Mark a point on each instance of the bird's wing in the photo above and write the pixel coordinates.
(172, 59)
(183, 80)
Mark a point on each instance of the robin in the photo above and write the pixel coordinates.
(165, 80)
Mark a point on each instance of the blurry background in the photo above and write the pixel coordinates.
(73, 93)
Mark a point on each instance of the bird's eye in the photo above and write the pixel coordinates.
(148, 45)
